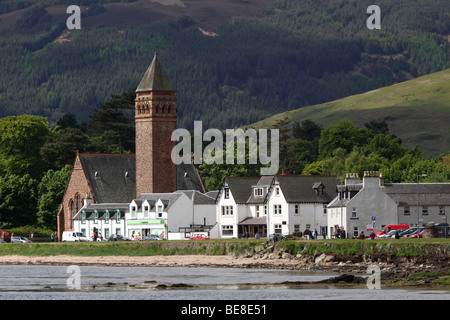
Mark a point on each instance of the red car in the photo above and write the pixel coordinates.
(199, 236)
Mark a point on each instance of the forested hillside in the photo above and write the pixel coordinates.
(298, 53)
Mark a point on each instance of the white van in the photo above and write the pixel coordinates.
(72, 236)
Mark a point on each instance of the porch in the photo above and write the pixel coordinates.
(250, 227)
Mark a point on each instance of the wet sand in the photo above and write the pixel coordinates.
(154, 261)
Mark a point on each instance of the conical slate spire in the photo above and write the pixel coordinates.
(155, 78)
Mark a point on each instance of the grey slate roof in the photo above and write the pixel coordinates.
(168, 199)
(112, 177)
(429, 193)
(101, 208)
(155, 78)
(241, 187)
(197, 197)
(265, 181)
(108, 178)
(300, 188)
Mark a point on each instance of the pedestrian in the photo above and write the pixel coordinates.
(397, 235)
(372, 235)
(257, 236)
(362, 235)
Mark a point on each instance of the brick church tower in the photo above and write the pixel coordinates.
(155, 117)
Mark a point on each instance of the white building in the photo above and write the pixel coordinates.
(172, 216)
(282, 204)
(373, 204)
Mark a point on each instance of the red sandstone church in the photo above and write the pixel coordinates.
(120, 178)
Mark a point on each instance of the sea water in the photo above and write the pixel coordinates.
(36, 282)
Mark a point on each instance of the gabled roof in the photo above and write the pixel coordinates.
(305, 188)
(168, 199)
(197, 197)
(241, 187)
(101, 208)
(155, 78)
(112, 177)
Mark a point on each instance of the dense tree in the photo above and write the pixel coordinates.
(50, 194)
(343, 134)
(18, 196)
(21, 139)
(112, 126)
(61, 147)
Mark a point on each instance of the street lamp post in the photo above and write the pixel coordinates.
(418, 214)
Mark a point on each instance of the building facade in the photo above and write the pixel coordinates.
(372, 204)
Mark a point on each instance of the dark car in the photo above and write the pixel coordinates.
(117, 237)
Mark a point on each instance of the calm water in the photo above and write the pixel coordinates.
(151, 283)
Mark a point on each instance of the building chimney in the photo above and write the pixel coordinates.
(371, 179)
(87, 200)
(352, 178)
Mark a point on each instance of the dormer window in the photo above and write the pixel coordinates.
(226, 193)
(318, 188)
(258, 192)
(133, 212)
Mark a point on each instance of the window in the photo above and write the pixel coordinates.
(227, 210)
(324, 209)
(296, 209)
(277, 209)
(265, 209)
(425, 210)
(296, 228)
(106, 233)
(441, 210)
(145, 212)
(83, 217)
(277, 191)
(72, 208)
(106, 215)
(83, 231)
(118, 216)
(354, 216)
(226, 193)
(257, 211)
(95, 216)
(258, 192)
(277, 228)
(227, 230)
(118, 231)
(406, 210)
(159, 211)
(133, 212)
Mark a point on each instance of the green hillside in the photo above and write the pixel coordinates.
(232, 62)
(417, 111)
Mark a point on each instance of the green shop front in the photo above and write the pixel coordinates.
(139, 229)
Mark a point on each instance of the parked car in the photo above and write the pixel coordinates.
(20, 240)
(391, 227)
(199, 236)
(407, 232)
(390, 234)
(152, 237)
(118, 237)
(1, 241)
(417, 233)
(72, 236)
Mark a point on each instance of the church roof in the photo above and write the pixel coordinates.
(155, 78)
(112, 177)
